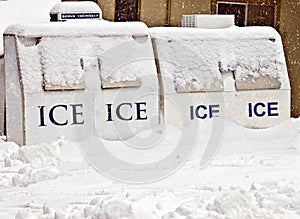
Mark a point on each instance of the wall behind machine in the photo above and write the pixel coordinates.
(290, 33)
(156, 12)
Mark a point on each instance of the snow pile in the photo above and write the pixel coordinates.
(256, 67)
(38, 155)
(259, 201)
(16, 11)
(190, 69)
(61, 63)
(263, 70)
(255, 175)
(118, 209)
(71, 7)
(27, 175)
(125, 60)
(27, 165)
(106, 209)
(129, 72)
(237, 204)
(30, 67)
(270, 200)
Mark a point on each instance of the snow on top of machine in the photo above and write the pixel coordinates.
(194, 57)
(60, 53)
(69, 7)
(77, 29)
(199, 56)
(232, 33)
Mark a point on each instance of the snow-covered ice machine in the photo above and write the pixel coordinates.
(100, 78)
(237, 73)
(74, 79)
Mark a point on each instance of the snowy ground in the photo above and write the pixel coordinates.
(254, 175)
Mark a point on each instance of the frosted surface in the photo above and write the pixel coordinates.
(196, 58)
